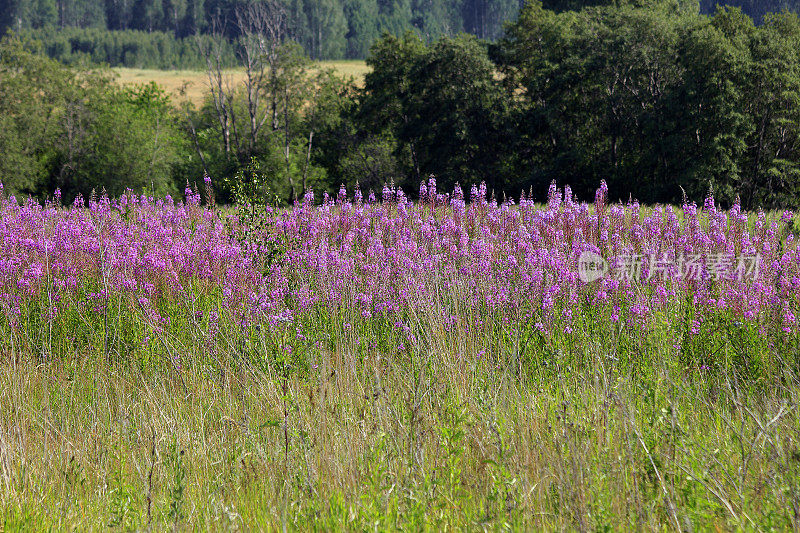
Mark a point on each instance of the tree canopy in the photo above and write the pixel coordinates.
(653, 97)
(128, 32)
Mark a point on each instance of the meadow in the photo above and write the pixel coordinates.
(366, 362)
(192, 85)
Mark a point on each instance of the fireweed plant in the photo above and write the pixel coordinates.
(385, 364)
(154, 265)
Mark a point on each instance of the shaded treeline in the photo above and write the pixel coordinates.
(160, 33)
(154, 33)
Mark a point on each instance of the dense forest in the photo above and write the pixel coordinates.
(658, 100)
(155, 33)
(327, 29)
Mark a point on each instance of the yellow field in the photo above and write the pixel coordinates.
(195, 83)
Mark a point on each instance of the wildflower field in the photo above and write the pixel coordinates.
(363, 363)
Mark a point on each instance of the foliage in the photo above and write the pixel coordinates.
(424, 110)
(133, 142)
(655, 99)
(255, 207)
(33, 89)
(123, 48)
(77, 131)
(160, 33)
(271, 118)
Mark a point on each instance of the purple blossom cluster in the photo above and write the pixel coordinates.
(519, 261)
(135, 245)
(466, 262)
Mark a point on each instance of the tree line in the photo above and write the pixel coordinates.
(123, 48)
(656, 98)
(326, 29)
(155, 33)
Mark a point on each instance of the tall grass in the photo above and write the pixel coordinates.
(378, 372)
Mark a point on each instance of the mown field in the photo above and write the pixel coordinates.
(371, 363)
(193, 84)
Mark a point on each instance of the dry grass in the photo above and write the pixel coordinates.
(196, 83)
(440, 437)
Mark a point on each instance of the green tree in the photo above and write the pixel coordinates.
(327, 29)
(362, 26)
(81, 13)
(192, 22)
(437, 18)
(274, 117)
(131, 141)
(708, 107)
(441, 103)
(771, 170)
(485, 18)
(41, 13)
(34, 90)
(118, 14)
(79, 131)
(599, 93)
(394, 16)
(146, 15)
(12, 16)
